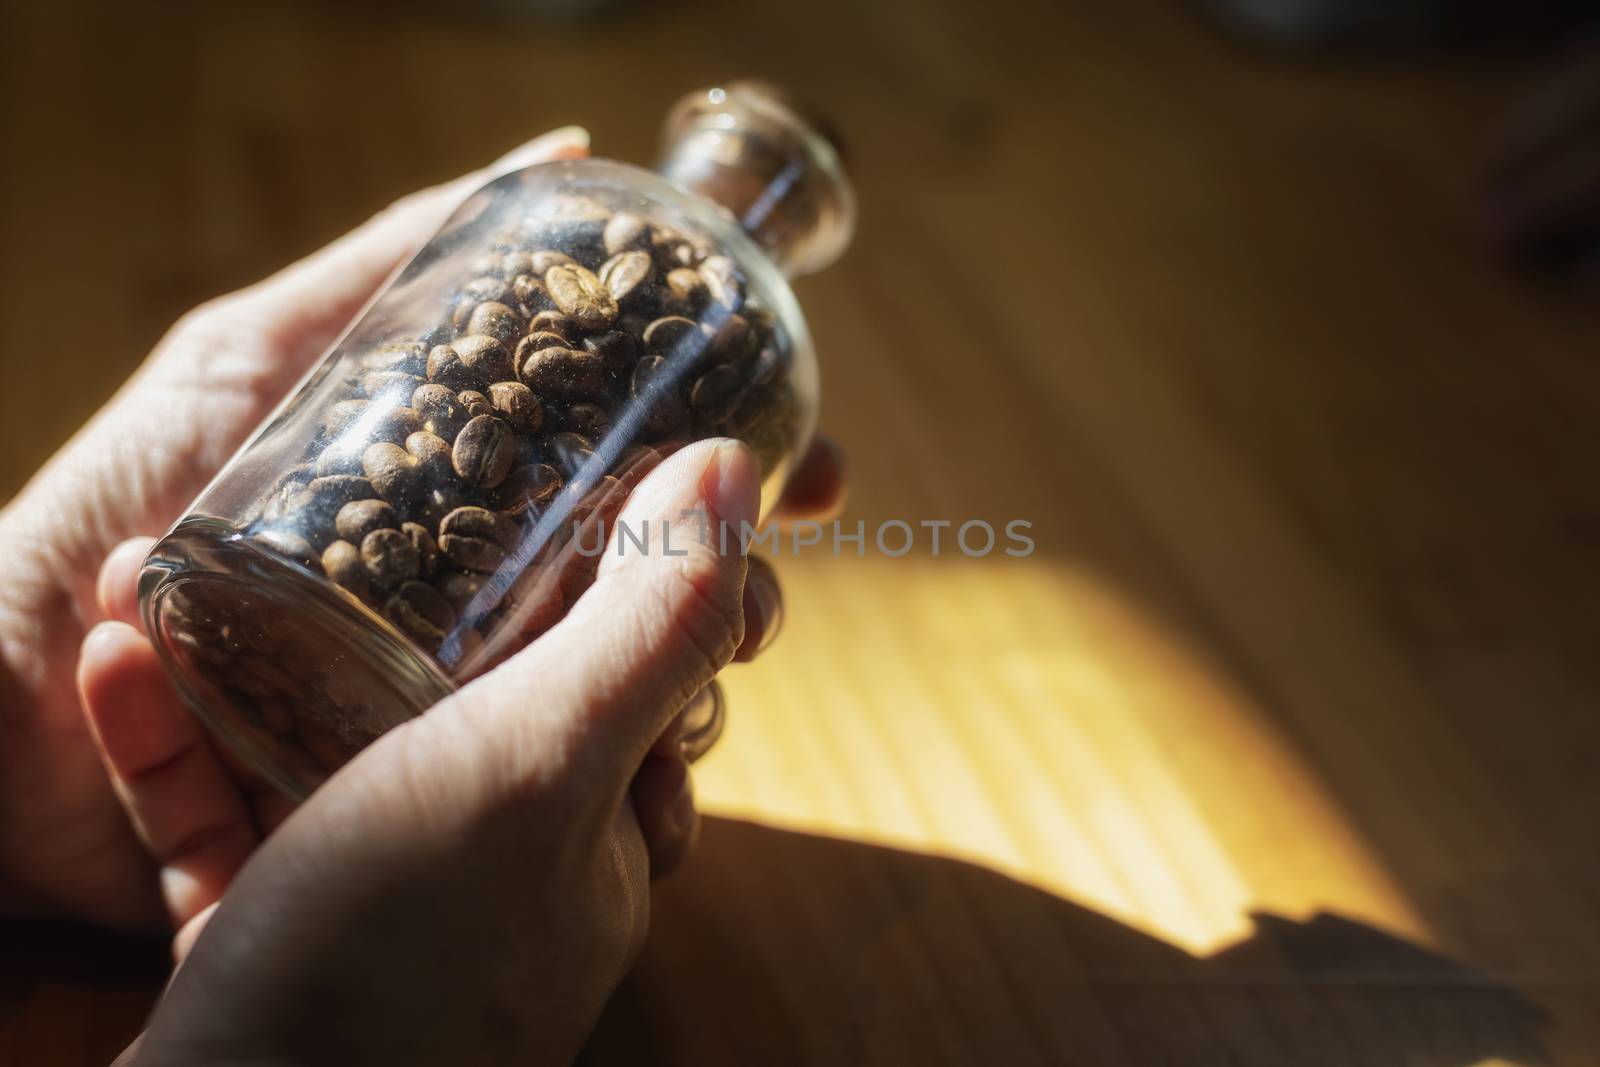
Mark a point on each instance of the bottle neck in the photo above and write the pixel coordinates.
(748, 149)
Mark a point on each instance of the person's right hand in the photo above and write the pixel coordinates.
(471, 887)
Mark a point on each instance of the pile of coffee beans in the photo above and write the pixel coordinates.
(578, 350)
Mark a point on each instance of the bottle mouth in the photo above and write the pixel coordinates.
(750, 148)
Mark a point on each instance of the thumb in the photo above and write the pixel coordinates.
(661, 619)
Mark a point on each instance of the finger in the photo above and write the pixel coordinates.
(181, 802)
(763, 609)
(654, 629)
(696, 728)
(663, 800)
(306, 304)
(189, 932)
(816, 489)
(117, 587)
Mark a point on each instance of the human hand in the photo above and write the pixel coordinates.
(65, 844)
(472, 886)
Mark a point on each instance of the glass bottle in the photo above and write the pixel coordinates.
(432, 496)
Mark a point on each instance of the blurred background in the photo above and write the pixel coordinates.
(1273, 317)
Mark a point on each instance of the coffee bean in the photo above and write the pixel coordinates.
(563, 372)
(544, 260)
(360, 517)
(383, 384)
(468, 361)
(421, 613)
(343, 414)
(427, 548)
(580, 295)
(516, 403)
(717, 393)
(392, 472)
(687, 289)
(569, 451)
(666, 409)
(438, 411)
(486, 289)
(483, 451)
(341, 562)
(554, 322)
(731, 341)
(404, 357)
(431, 454)
(667, 334)
(476, 539)
(393, 424)
(474, 403)
(624, 232)
(627, 275)
(535, 342)
(527, 487)
(528, 296)
(724, 285)
(491, 319)
(459, 587)
(515, 264)
(617, 350)
(390, 557)
(591, 420)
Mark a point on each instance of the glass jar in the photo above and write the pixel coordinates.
(434, 494)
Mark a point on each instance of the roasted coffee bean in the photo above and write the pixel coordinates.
(569, 451)
(527, 487)
(491, 319)
(486, 289)
(617, 350)
(687, 289)
(528, 296)
(427, 548)
(516, 403)
(476, 539)
(731, 341)
(625, 231)
(717, 393)
(438, 410)
(667, 335)
(474, 403)
(290, 546)
(341, 562)
(724, 285)
(666, 409)
(483, 452)
(390, 557)
(360, 517)
(437, 502)
(381, 384)
(459, 587)
(405, 357)
(766, 367)
(580, 295)
(341, 457)
(432, 455)
(392, 472)
(591, 420)
(421, 613)
(563, 372)
(513, 264)
(544, 260)
(535, 342)
(469, 361)
(627, 276)
(343, 414)
(392, 424)
(554, 322)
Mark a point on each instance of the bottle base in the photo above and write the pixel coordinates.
(287, 671)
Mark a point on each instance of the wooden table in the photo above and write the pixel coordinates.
(1281, 747)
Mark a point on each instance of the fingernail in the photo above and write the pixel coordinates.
(768, 600)
(732, 486)
(546, 146)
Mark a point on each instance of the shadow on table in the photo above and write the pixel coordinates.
(777, 947)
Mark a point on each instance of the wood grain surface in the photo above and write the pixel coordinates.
(1279, 749)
